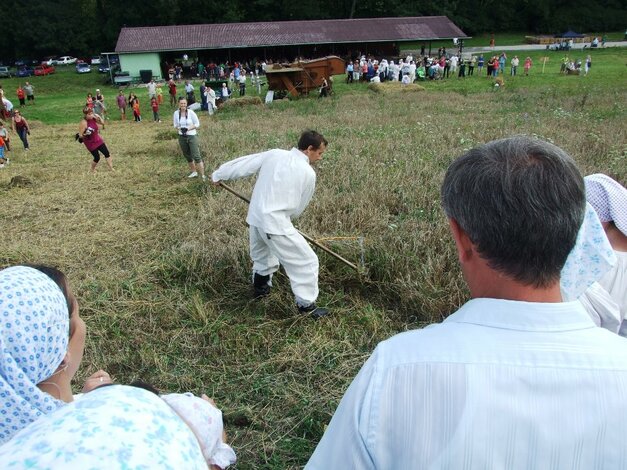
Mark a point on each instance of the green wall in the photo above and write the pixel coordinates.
(133, 63)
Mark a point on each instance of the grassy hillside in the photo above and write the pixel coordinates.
(160, 265)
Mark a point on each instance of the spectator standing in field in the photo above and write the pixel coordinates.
(99, 107)
(89, 131)
(152, 89)
(210, 96)
(284, 187)
(588, 64)
(30, 92)
(100, 101)
(133, 102)
(186, 123)
(155, 109)
(89, 101)
(527, 66)
(515, 63)
(471, 65)
(20, 126)
(480, 62)
(242, 83)
(225, 93)
(122, 104)
(4, 133)
(490, 387)
(490, 66)
(189, 92)
(172, 91)
(3, 156)
(21, 95)
(502, 62)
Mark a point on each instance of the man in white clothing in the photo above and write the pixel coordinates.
(284, 187)
(516, 378)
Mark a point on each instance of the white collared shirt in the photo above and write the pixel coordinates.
(284, 187)
(185, 121)
(498, 385)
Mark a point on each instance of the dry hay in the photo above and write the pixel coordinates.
(19, 181)
(394, 87)
(243, 101)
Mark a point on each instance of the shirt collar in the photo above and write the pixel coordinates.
(300, 154)
(524, 316)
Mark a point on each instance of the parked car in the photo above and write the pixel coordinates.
(83, 67)
(44, 70)
(5, 72)
(96, 60)
(66, 60)
(25, 71)
(50, 60)
(104, 68)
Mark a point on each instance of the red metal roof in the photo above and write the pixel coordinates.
(283, 33)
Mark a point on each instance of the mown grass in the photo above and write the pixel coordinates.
(160, 266)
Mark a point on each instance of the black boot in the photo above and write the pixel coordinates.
(314, 311)
(261, 286)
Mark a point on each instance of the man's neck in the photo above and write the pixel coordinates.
(487, 283)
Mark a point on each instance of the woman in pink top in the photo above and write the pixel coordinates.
(88, 131)
(527, 65)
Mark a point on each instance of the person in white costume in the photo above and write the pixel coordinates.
(284, 187)
(516, 378)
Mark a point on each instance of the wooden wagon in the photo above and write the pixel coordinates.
(301, 77)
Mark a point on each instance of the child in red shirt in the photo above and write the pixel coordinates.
(136, 111)
(21, 95)
(3, 159)
(155, 109)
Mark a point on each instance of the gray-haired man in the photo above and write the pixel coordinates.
(515, 378)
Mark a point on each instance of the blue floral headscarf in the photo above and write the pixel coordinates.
(34, 334)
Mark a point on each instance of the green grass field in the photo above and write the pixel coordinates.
(160, 265)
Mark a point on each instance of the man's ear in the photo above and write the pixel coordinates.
(462, 241)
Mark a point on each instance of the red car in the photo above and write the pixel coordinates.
(44, 69)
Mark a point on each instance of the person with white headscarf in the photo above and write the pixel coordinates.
(115, 427)
(609, 199)
(41, 346)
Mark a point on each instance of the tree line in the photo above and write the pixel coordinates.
(84, 27)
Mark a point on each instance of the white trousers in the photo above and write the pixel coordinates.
(294, 253)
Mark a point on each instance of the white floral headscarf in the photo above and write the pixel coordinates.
(205, 420)
(34, 334)
(608, 198)
(591, 257)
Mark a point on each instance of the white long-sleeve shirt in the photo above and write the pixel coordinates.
(285, 185)
(498, 385)
(186, 121)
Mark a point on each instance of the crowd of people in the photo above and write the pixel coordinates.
(543, 339)
(443, 65)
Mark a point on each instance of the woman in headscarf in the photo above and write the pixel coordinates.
(609, 199)
(116, 427)
(41, 346)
